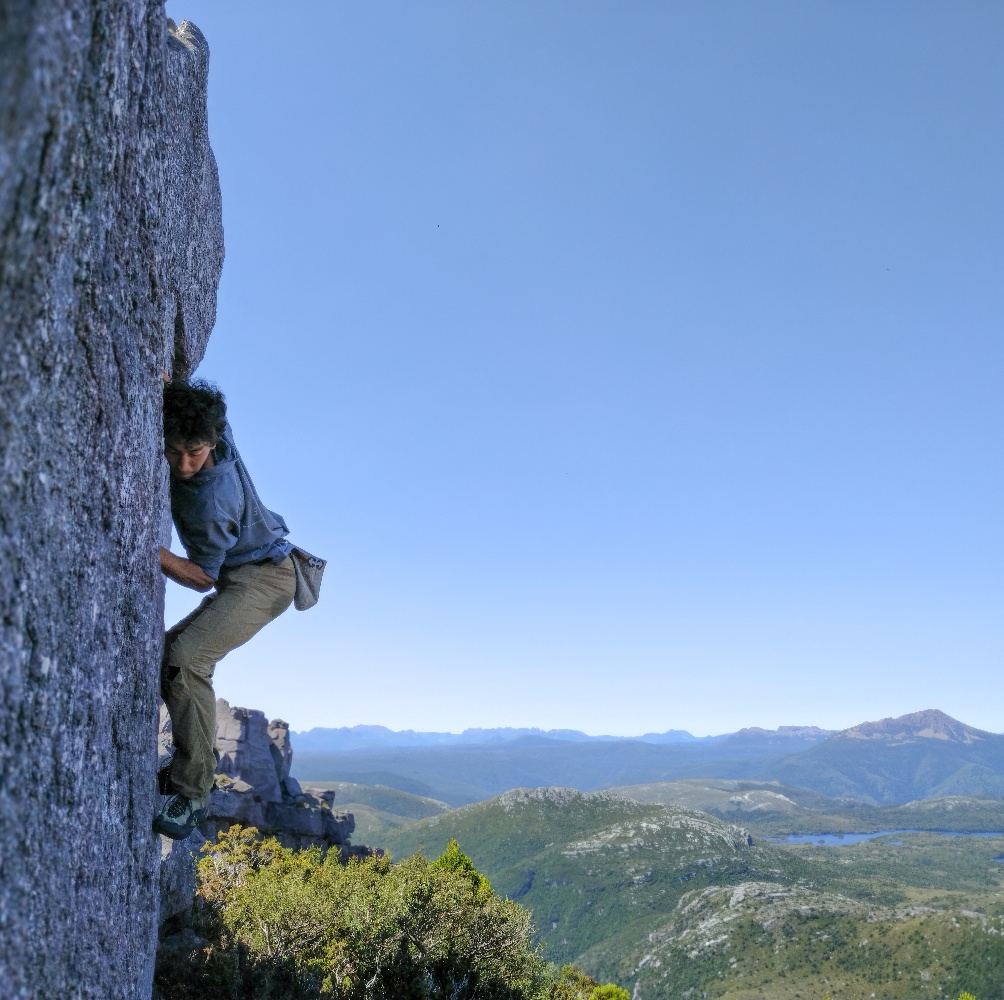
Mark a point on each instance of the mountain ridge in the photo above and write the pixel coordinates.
(366, 736)
(917, 756)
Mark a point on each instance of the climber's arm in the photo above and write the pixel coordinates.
(184, 571)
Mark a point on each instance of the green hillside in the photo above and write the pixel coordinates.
(721, 795)
(590, 865)
(760, 940)
(665, 900)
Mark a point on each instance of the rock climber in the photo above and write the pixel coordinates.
(235, 544)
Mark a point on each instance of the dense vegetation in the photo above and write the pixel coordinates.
(804, 943)
(669, 902)
(272, 922)
(593, 865)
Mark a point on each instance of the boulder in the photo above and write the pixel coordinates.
(242, 738)
(111, 246)
(177, 875)
(282, 751)
(338, 826)
(236, 803)
(299, 820)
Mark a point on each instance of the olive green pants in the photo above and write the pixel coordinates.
(247, 598)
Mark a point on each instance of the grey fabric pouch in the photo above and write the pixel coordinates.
(309, 570)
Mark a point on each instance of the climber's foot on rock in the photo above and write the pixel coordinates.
(180, 816)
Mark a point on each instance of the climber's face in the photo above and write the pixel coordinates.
(188, 457)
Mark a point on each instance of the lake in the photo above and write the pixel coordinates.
(847, 839)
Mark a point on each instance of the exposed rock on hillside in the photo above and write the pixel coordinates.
(253, 788)
(111, 246)
(786, 733)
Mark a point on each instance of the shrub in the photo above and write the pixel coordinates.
(294, 924)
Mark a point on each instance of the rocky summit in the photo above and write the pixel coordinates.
(253, 788)
(930, 724)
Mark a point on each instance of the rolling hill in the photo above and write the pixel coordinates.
(674, 903)
(771, 809)
(592, 864)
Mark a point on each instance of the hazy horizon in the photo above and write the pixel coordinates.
(633, 735)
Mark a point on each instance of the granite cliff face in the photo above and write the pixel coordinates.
(111, 246)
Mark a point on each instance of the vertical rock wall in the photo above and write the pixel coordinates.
(111, 246)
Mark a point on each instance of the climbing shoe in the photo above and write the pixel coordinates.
(180, 816)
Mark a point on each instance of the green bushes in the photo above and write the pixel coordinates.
(274, 922)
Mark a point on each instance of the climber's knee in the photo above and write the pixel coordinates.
(189, 660)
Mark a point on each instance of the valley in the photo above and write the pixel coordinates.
(664, 899)
(679, 886)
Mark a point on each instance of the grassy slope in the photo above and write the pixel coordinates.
(797, 943)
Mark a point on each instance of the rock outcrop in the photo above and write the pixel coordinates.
(253, 788)
(111, 247)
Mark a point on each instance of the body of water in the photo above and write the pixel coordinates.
(846, 839)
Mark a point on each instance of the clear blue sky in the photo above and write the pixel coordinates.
(636, 365)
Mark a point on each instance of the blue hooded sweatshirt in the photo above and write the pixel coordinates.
(220, 520)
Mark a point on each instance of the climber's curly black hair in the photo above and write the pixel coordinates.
(194, 412)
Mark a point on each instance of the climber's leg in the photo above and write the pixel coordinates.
(247, 599)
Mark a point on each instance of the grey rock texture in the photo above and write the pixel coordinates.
(177, 875)
(245, 746)
(282, 750)
(253, 755)
(111, 246)
(251, 790)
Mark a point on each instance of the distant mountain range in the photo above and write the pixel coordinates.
(372, 737)
(922, 755)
